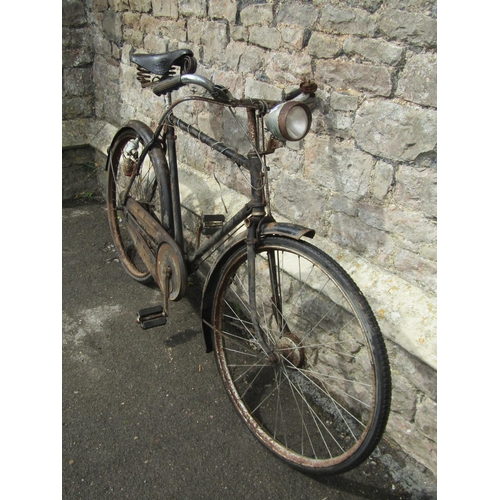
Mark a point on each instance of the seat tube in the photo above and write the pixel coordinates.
(174, 183)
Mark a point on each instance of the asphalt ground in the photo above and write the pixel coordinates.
(144, 412)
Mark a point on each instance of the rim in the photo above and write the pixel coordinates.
(144, 190)
(325, 377)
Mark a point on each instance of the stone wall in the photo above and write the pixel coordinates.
(77, 60)
(79, 164)
(364, 178)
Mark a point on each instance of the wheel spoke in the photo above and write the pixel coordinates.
(315, 419)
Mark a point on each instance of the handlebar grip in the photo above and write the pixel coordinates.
(293, 94)
(307, 87)
(168, 85)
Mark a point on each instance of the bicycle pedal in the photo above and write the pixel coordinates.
(211, 224)
(151, 317)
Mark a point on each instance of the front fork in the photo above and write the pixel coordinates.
(251, 241)
(258, 183)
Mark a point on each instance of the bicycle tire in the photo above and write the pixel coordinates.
(324, 405)
(148, 189)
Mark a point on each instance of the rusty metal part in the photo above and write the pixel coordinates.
(141, 244)
(251, 255)
(146, 78)
(159, 252)
(308, 87)
(252, 127)
(272, 145)
(128, 166)
(289, 348)
(171, 271)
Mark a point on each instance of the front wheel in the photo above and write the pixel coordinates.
(322, 403)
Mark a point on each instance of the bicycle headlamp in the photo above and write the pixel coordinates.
(289, 121)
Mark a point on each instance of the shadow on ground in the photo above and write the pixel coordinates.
(145, 414)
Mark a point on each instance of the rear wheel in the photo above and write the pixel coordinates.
(322, 406)
(122, 163)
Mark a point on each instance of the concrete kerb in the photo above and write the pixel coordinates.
(87, 132)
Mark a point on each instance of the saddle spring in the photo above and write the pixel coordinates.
(184, 65)
(147, 79)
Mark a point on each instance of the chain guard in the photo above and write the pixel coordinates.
(168, 266)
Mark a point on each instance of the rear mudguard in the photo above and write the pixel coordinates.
(159, 161)
(293, 231)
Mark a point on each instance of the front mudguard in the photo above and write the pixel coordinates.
(293, 231)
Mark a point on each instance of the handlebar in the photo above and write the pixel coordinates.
(176, 82)
(217, 92)
(222, 95)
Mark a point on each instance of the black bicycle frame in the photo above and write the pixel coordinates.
(252, 212)
(254, 208)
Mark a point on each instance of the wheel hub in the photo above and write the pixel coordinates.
(128, 166)
(289, 348)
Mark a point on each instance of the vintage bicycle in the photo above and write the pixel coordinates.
(296, 344)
